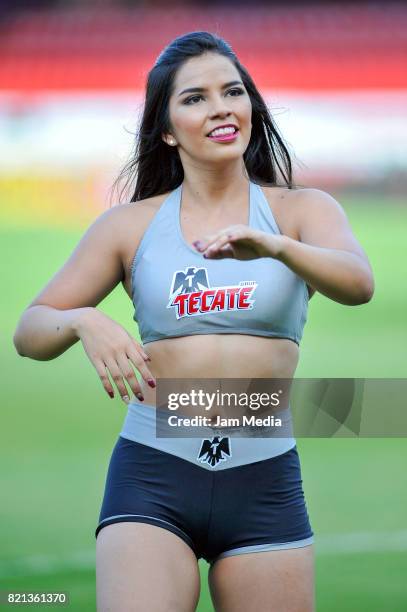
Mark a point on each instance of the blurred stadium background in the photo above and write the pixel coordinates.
(72, 76)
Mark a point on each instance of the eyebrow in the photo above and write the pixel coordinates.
(202, 89)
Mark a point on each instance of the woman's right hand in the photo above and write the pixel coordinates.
(111, 349)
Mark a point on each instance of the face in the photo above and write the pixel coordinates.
(222, 99)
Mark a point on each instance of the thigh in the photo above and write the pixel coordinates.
(276, 581)
(142, 567)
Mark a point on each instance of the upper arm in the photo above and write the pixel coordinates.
(93, 269)
(322, 222)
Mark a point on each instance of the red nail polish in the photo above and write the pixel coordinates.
(140, 397)
(111, 394)
(151, 382)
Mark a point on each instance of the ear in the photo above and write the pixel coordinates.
(170, 140)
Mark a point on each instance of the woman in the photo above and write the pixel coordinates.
(203, 230)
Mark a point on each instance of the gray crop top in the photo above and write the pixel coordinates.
(177, 292)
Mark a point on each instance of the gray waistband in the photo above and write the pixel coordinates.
(210, 451)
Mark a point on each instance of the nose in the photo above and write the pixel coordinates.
(220, 107)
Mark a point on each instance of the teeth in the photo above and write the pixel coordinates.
(221, 131)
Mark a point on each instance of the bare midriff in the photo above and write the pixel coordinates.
(218, 356)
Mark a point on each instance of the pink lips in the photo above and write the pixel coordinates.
(224, 137)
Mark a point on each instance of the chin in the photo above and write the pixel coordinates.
(233, 149)
(219, 159)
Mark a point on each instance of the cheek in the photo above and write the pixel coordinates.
(248, 122)
(189, 122)
(247, 113)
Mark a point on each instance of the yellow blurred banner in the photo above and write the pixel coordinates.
(51, 200)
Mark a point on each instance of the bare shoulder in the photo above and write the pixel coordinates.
(284, 204)
(137, 210)
(290, 205)
(299, 196)
(312, 196)
(130, 221)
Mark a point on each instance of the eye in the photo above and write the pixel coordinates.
(237, 90)
(188, 100)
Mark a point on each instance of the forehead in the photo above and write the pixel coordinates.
(205, 70)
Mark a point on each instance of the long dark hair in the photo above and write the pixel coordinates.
(156, 166)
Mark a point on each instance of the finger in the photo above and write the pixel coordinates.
(203, 243)
(126, 368)
(142, 352)
(239, 233)
(238, 229)
(117, 377)
(222, 241)
(225, 252)
(141, 367)
(102, 372)
(200, 245)
(140, 349)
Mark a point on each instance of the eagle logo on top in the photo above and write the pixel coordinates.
(192, 295)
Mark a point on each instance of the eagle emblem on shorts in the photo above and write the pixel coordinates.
(214, 451)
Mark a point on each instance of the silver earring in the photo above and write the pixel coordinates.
(172, 141)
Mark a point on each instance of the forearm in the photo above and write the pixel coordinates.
(340, 275)
(44, 332)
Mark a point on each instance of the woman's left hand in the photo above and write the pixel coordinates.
(239, 242)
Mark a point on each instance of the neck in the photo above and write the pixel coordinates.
(212, 188)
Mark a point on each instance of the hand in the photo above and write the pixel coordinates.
(112, 350)
(239, 242)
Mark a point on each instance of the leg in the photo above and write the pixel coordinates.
(275, 580)
(142, 567)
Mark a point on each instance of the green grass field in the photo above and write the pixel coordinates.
(59, 428)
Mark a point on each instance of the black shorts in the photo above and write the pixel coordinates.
(247, 508)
